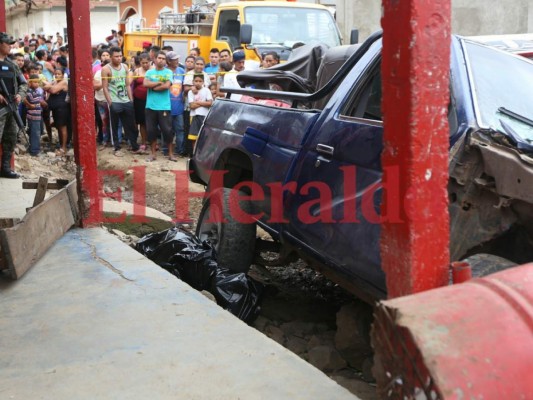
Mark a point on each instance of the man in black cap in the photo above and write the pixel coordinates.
(17, 87)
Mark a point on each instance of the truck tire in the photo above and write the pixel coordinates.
(485, 264)
(233, 241)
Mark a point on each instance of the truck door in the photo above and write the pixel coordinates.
(334, 214)
(227, 31)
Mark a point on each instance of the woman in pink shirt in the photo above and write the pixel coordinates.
(139, 96)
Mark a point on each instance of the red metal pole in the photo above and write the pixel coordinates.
(415, 70)
(82, 102)
(3, 25)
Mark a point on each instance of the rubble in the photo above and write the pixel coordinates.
(130, 240)
(296, 345)
(261, 323)
(354, 384)
(326, 358)
(209, 295)
(275, 333)
(352, 336)
(298, 328)
(20, 149)
(324, 338)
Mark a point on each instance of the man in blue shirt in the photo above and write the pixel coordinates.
(157, 113)
(214, 58)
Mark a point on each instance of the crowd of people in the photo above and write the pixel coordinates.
(152, 94)
(167, 99)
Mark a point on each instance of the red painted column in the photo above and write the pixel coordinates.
(82, 102)
(415, 70)
(3, 24)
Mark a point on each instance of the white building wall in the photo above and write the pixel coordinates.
(483, 17)
(103, 20)
(22, 24)
(469, 17)
(53, 20)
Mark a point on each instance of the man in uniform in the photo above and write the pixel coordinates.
(17, 88)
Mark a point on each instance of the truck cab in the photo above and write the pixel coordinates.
(276, 26)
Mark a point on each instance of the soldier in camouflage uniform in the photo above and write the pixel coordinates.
(17, 88)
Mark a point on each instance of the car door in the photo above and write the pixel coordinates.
(334, 213)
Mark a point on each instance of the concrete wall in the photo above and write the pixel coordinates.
(469, 17)
(363, 15)
(33, 23)
(53, 20)
(103, 19)
(485, 17)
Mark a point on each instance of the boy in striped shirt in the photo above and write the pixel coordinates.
(34, 102)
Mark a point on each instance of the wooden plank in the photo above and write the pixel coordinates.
(41, 191)
(58, 184)
(72, 192)
(25, 243)
(6, 223)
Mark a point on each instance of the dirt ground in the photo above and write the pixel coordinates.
(300, 309)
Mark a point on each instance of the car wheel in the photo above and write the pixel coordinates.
(233, 240)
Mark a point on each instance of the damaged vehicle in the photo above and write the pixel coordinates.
(288, 169)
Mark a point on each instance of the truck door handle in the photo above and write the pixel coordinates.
(325, 150)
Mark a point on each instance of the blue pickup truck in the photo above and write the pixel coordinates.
(289, 169)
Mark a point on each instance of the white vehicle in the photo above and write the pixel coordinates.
(521, 44)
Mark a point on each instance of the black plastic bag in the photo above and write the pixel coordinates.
(194, 262)
(181, 254)
(237, 293)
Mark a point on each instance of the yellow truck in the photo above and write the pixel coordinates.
(264, 26)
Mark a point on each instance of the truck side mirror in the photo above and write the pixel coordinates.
(246, 33)
(354, 36)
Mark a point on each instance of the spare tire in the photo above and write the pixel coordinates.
(233, 240)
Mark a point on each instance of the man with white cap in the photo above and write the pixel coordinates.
(176, 101)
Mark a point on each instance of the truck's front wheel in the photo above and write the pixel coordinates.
(233, 239)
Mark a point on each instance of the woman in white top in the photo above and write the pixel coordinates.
(102, 106)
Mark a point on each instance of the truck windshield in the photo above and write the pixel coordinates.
(286, 26)
(503, 90)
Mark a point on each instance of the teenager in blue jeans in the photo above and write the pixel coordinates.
(34, 103)
(176, 102)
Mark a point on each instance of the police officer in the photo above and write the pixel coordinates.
(17, 87)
